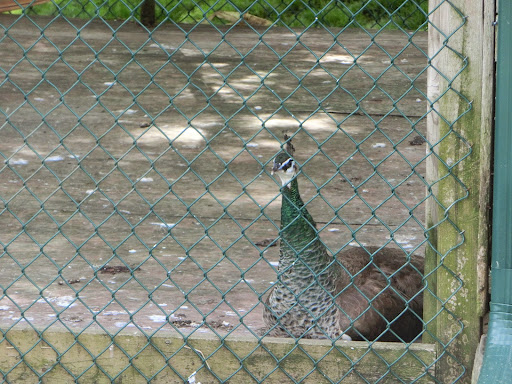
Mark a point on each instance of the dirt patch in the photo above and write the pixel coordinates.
(154, 153)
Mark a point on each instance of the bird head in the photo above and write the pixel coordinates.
(284, 165)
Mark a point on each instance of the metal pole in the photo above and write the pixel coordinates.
(497, 365)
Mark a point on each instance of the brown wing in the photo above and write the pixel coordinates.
(375, 292)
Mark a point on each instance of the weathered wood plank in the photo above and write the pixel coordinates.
(11, 5)
(133, 357)
(459, 129)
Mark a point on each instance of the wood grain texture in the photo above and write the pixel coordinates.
(11, 5)
(459, 127)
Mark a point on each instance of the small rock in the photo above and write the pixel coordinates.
(266, 242)
(417, 140)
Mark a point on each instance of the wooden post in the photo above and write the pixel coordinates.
(459, 126)
(147, 13)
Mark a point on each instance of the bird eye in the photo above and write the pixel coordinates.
(286, 164)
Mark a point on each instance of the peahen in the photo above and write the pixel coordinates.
(318, 296)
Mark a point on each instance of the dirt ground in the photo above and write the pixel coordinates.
(135, 184)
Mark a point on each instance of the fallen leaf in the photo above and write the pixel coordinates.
(256, 21)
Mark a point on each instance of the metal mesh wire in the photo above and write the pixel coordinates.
(136, 195)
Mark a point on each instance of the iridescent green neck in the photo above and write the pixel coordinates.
(297, 225)
(303, 256)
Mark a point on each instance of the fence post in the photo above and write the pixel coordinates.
(460, 124)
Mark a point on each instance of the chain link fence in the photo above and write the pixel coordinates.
(137, 199)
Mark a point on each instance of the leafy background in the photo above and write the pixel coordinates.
(391, 14)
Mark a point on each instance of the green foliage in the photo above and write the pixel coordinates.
(406, 14)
